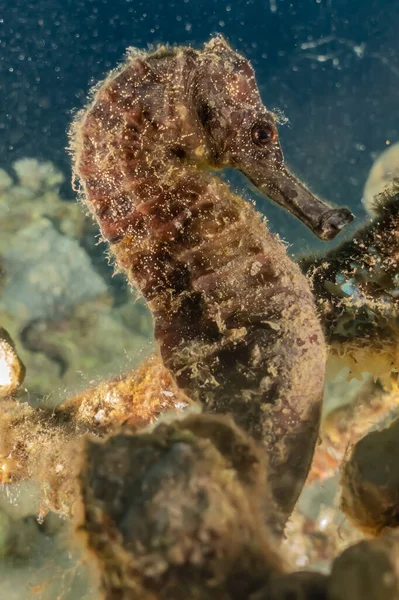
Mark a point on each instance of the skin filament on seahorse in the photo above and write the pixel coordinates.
(234, 317)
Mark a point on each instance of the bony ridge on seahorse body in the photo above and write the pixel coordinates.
(234, 317)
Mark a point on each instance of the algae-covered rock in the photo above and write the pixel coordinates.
(93, 343)
(178, 513)
(43, 444)
(370, 481)
(56, 290)
(368, 570)
(301, 585)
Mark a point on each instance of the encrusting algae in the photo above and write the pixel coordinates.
(41, 443)
(357, 291)
(176, 501)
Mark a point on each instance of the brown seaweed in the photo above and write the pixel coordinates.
(357, 291)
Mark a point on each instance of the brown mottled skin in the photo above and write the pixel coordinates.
(234, 317)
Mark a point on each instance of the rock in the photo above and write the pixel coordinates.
(12, 370)
(65, 339)
(89, 345)
(368, 570)
(49, 274)
(384, 170)
(17, 536)
(302, 585)
(178, 512)
(53, 524)
(370, 481)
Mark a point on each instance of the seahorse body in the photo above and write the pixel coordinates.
(234, 316)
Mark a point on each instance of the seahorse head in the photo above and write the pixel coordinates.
(240, 130)
(179, 108)
(242, 134)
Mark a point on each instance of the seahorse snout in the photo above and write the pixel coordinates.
(281, 186)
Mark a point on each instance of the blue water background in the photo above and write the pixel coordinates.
(340, 96)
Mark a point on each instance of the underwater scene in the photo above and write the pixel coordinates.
(199, 300)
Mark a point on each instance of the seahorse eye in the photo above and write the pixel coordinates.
(263, 133)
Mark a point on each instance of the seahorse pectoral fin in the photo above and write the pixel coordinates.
(285, 189)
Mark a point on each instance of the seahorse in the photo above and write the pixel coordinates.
(234, 317)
